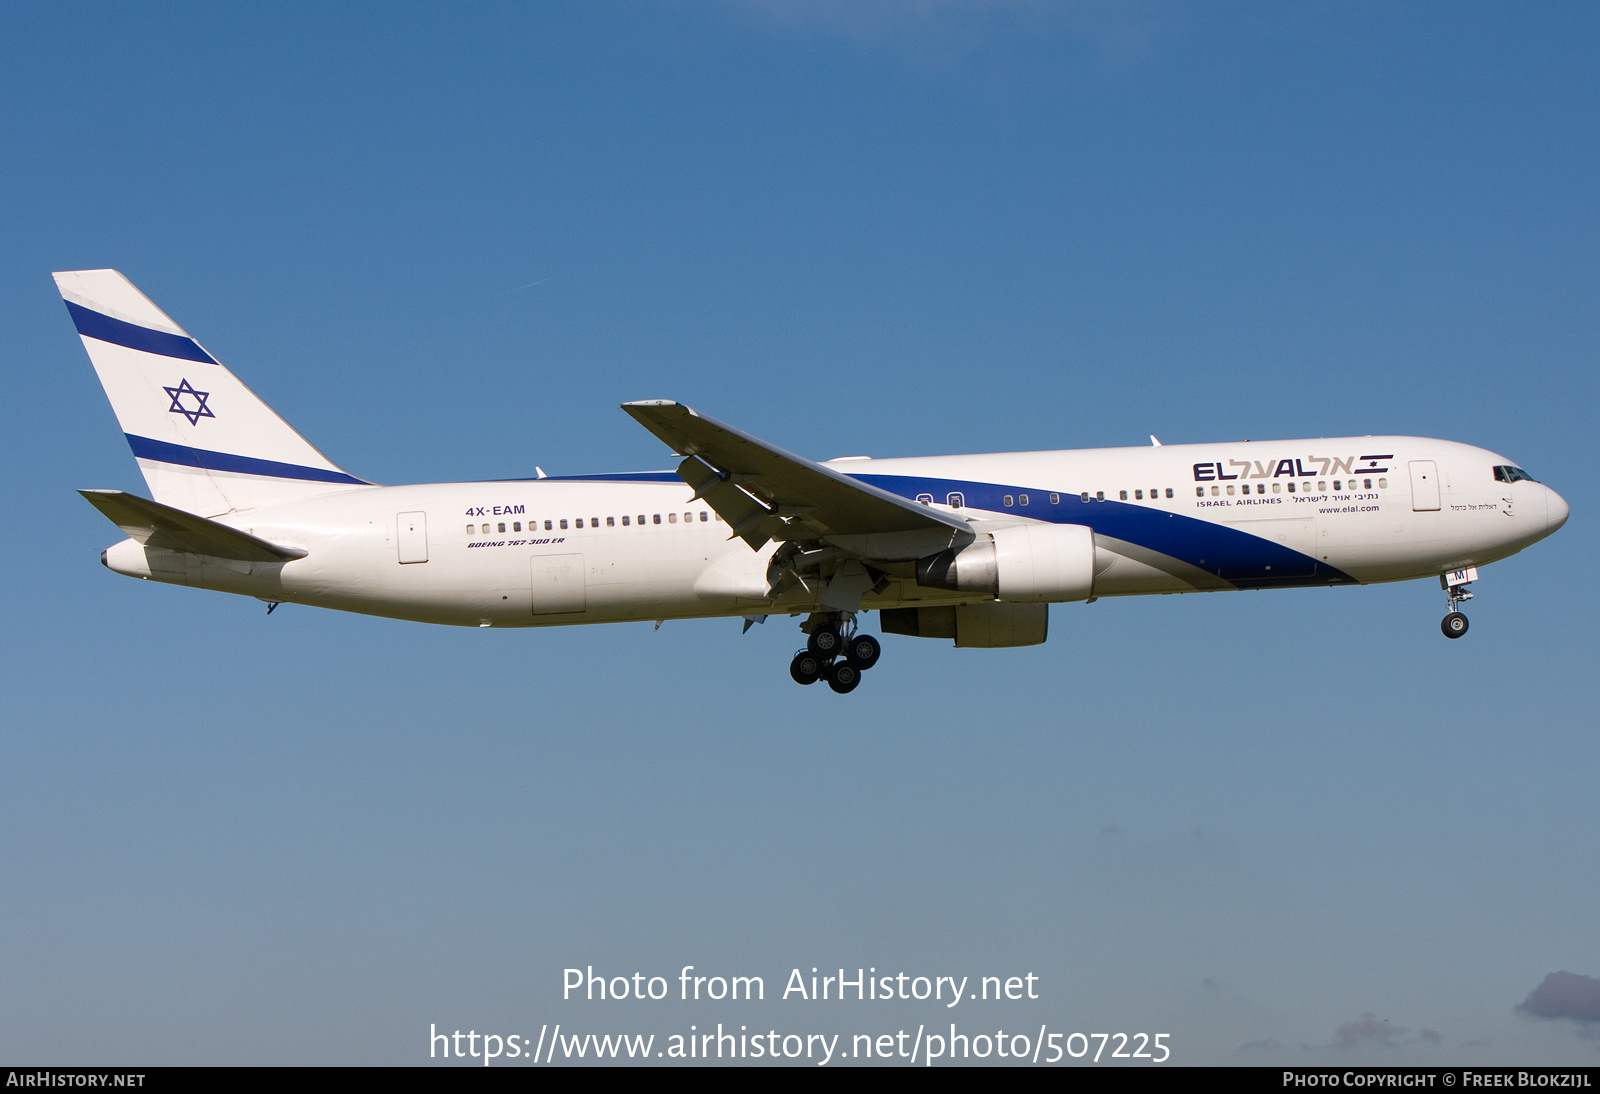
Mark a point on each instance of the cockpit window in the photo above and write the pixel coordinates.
(1512, 474)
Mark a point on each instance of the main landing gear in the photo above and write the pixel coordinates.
(835, 652)
(1454, 584)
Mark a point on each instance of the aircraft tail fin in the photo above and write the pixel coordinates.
(206, 443)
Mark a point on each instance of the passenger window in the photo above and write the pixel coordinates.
(641, 519)
(1007, 501)
(547, 526)
(516, 526)
(688, 518)
(1322, 487)
(578, 523)
(502, 527)
(1199, 491)
(1214, 491)
(1337, 485)
(1138, 495)
(1023, 498)
(705, 517)
(1277, 488)
(657, 518)
(1123, 496)
(1291, 488)
(1084, 496)
(956, 501)
(1366, 484)
(1169, 491)
(611, 522)
(563, 522)
(1383, 484)
(1055, 499)
(1230, 491)
(1099, 495)
(471, 528)
(672, 518)
(625, 520)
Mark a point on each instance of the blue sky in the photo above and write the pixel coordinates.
(446, 242)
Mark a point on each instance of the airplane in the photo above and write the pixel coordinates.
(972, 549)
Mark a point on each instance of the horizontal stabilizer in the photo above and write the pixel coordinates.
(157, 525)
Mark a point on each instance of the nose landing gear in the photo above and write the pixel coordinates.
(1454, 584)
(834, 652)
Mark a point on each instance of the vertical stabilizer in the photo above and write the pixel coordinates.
(205, 442)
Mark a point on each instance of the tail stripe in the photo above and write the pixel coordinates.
(92, 324)
(145, 448)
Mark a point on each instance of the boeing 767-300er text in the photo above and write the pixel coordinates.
(969, 548)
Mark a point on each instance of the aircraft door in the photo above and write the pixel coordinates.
(558, 584)
(1424, 486)
(413, 537)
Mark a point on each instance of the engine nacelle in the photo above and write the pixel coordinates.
(1019, 564)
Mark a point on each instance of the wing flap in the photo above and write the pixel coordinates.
(745, 514)
(157, 525)
(764, 492)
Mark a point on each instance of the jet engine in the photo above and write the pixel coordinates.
(1019, 564)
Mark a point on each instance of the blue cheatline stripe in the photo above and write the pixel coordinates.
(146, 449)
(626, 476)
(94, 325)
(1237, 557)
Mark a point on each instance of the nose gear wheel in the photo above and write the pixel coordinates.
(1454, 625)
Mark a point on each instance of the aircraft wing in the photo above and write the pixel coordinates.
(765, 493)
(157, 525)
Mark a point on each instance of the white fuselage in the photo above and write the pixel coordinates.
(1170, 519)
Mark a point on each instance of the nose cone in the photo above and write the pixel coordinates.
(1555, 510)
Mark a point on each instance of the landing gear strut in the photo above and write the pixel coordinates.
(1454, 584)
(834, 652)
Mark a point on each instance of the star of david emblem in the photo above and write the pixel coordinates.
(178, 407)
